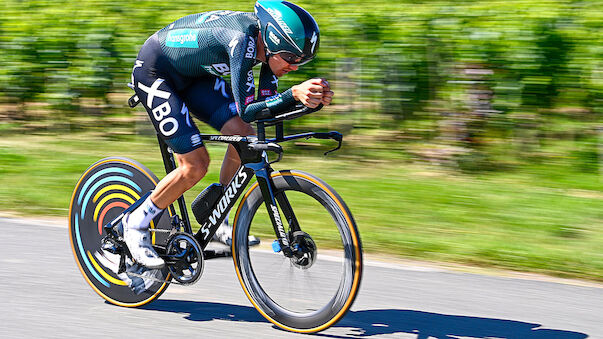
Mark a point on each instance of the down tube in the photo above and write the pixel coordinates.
(226, 202)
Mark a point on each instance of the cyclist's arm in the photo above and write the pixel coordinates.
(242, 82)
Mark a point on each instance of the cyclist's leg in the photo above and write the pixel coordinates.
(232, 162)
(211, 101)
(192, 167)
(155, 86)
(230, 165)
(159, 89)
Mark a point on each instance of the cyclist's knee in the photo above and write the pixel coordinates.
(192, 175)
(193, 166)
(236, 125)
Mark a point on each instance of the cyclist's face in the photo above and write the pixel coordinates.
(279, 66)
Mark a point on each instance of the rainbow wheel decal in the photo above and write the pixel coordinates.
(107, 188)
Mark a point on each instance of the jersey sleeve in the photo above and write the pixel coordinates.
(268, 83)
(242, 55)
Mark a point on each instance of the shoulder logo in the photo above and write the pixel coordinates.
(250, 51)
(233, 43)
(213, 15)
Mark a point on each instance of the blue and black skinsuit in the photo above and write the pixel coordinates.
(179, 72)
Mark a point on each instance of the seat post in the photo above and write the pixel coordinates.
(168, 158)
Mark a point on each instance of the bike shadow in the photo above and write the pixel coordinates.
(443, 326)
(206, 311)
(368, 323)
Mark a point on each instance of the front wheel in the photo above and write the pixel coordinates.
(307, 293)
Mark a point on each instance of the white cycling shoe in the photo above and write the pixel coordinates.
(140, 246)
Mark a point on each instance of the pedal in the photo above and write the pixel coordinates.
(140, 278)
(111, 246)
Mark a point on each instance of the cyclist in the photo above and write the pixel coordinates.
(179, 72)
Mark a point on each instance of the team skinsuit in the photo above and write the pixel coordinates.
(179, 72)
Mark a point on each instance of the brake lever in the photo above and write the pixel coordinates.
(329, 135)
(336, 148)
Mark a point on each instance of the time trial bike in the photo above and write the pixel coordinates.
(304, 275)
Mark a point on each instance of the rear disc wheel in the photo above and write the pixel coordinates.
(107, 188)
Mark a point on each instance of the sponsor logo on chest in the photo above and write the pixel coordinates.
(217, 69)
(182, 38)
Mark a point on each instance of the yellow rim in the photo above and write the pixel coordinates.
(357, 250)
(104, 296)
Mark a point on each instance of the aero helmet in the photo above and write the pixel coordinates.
(288, 29)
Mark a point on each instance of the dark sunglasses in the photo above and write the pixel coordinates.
(293, 59)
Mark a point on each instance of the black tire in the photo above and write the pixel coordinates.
(107, 188)
(274, 297)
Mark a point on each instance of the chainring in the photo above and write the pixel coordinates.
(184, 258)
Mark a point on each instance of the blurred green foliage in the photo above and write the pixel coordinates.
(469, 75)
(472, 86)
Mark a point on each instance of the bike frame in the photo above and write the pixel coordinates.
(254, 162)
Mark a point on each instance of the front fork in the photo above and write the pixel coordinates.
(272, 201)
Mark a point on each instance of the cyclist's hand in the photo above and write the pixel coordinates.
(327, 94)
(309, 92)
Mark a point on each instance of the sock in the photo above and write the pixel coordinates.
(141, 217)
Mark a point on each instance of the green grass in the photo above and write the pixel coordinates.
(542, 218)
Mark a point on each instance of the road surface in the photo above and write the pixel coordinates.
(43, 295)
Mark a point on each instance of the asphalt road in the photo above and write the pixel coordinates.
(42, 295)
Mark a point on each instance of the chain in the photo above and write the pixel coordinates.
(160, 230)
